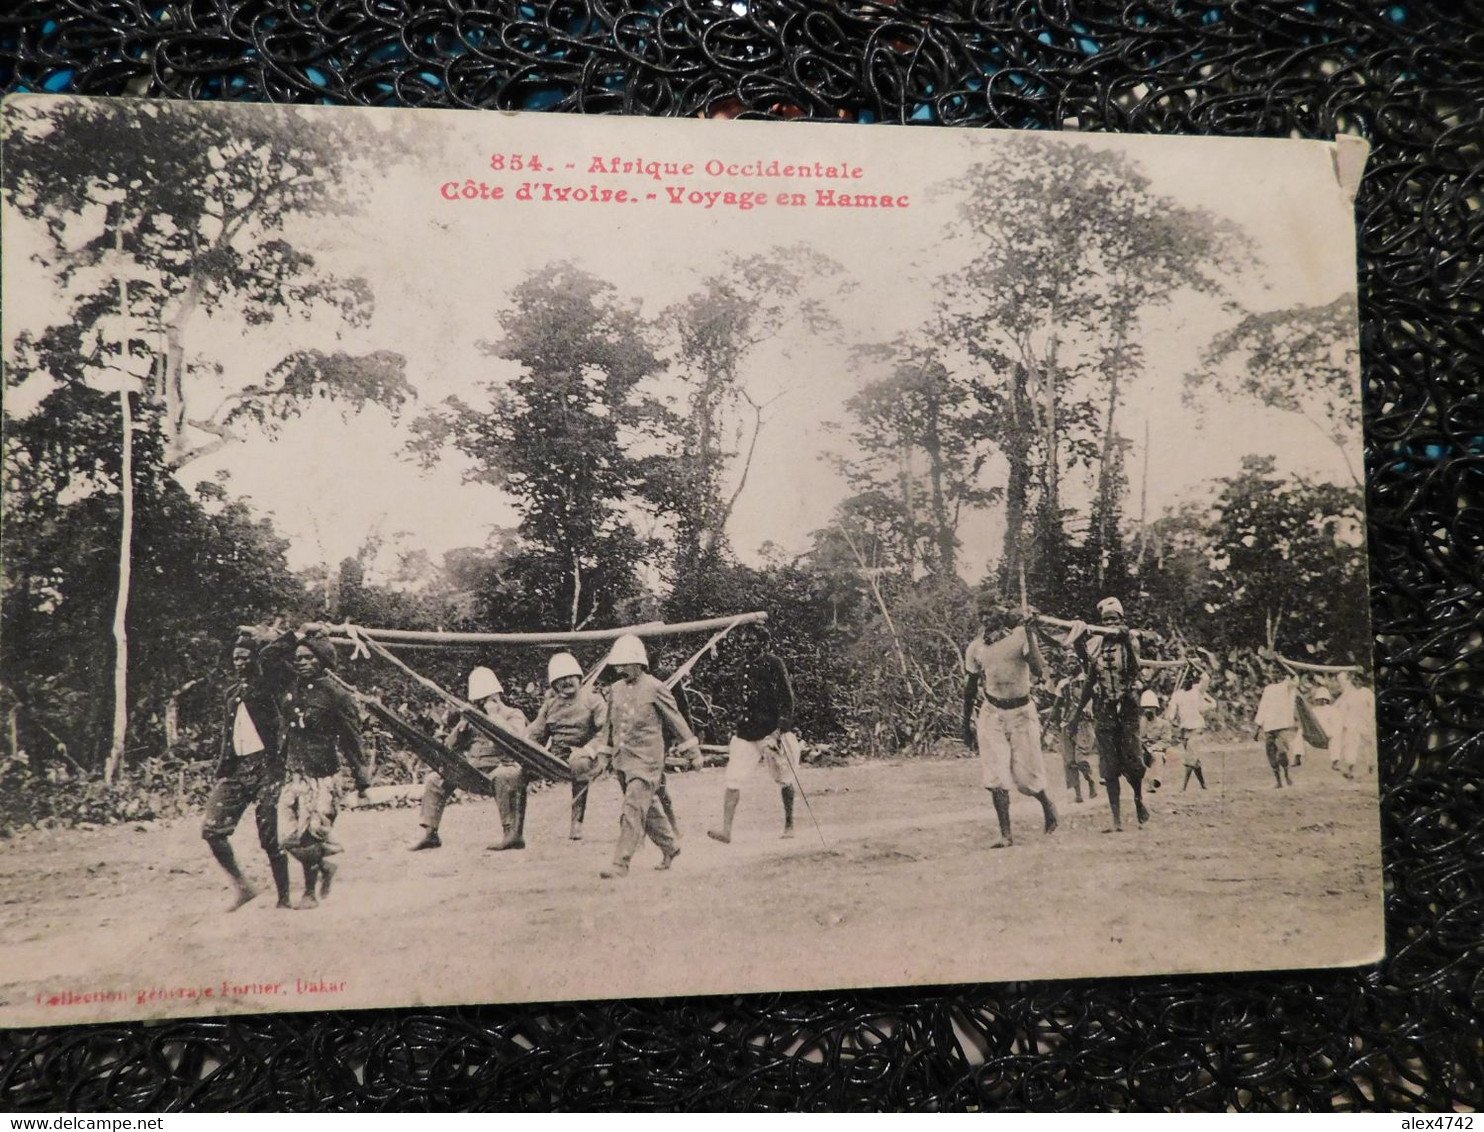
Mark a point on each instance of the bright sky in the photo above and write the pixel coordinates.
(440, 271)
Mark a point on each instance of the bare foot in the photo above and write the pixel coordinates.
(285, 902)
(1114, 829)
(614, 872)
(787, 834)
(718, 835)
(1002, 843)
(667, 860)
(306, 902)
(245, 892)
(327, 873)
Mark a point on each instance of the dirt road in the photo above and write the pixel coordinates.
(122, 923)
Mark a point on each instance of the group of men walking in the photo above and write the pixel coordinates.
(1108, 707)
(288, 729)
(290, 725)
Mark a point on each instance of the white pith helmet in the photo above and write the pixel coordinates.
(1150, 698)
(628, 650)
(560, 665)
(483, 683)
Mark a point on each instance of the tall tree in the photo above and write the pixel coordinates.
(1072, 249)
(157, 214)
(192, 204)
(559, 435)
(1287, 562)
(202, 564)
(1301, 360)
(917, 449)
(716, 331)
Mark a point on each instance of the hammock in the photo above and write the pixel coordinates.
(534, 758)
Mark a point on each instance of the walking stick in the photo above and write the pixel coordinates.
(805, 797)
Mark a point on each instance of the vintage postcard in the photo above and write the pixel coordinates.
(477, 557)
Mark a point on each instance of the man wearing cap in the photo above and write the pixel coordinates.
(570, 718)
(1000, 720)
(1277, 725)
(486, 694)
(764, 730)
(1111, 663)
(322, 728)
(1154, 729)
(643, 719)
(249, 772)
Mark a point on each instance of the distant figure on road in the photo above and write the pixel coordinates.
(1357, 711)
(1077, 744)
(1187, 711)
(1277, 725)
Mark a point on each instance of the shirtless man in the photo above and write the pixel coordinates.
(1000, 720)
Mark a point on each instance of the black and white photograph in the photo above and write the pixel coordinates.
(462, 557)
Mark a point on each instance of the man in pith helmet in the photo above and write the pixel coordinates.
(486, 694)
(570, 718)
(643, 719)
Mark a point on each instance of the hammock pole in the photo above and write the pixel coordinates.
(649, 629)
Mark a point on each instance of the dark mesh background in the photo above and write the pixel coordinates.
(1409, 76)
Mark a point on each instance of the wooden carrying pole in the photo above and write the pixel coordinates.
(412, 637)
(1300, 666)
(1098, 630)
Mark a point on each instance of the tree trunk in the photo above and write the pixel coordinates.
(121, 604)
(126, 542)
(944, 534)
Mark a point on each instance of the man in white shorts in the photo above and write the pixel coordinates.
(1000, 719)
(764, 730)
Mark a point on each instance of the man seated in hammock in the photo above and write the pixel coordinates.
(570, 718)
(485, 693)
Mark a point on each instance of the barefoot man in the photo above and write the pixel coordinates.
(1112, 665)
(322, 726)
(764, 732)
(249, 772)
(1000, 720)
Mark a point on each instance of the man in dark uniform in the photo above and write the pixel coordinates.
(1112, 665)
(764, 730)
(249, 772)
(322, 728)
